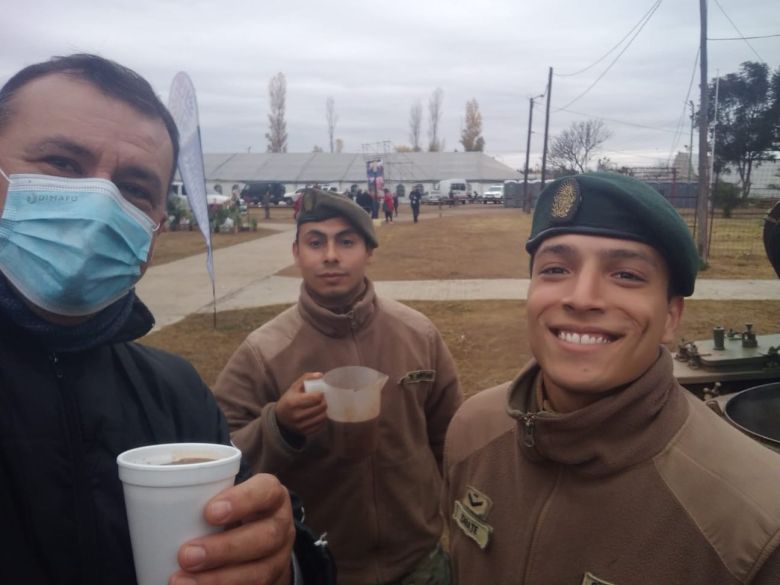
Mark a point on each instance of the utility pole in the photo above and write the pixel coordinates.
(546, 126)
(687, 191)
(526, 202)
(702, 202)
(690, 144)
(526, 198)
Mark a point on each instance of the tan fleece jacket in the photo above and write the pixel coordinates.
(381, 513)
(646, 486)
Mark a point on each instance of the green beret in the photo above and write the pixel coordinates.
(617, 206)
(319, 205)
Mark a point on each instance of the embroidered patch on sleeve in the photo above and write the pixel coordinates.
(590, 579)
(418, 376)
(473, 527)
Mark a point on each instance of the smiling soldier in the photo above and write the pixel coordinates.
(594, 466)
(381, 510)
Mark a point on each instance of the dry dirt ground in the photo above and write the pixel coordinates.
(476, 241)
(172, 246)
(176, 245)
(487, 338)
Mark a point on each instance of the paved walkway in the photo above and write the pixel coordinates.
(245, 278)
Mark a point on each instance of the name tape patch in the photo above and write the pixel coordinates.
(418, 376)
(473, 527)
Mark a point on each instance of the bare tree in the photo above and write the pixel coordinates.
(415, 125)
(339, 145)
(277, 126)
(471, 135)
(571, 150)
(332, 118)
(434, 118)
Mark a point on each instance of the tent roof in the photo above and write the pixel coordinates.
(320, 167)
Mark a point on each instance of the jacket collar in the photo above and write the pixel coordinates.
(616, 432)
(124, 320)
(339, 324)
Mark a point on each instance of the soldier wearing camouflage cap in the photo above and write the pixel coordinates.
(594, 465)
(380, 512)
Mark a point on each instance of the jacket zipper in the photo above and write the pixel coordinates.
(54, 360)
(539, 521)
(84, 508)
(529, 425)
(354, 326)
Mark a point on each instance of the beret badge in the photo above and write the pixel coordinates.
(309, 201)
(565, 202)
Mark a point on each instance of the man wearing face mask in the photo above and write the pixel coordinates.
(87, 154)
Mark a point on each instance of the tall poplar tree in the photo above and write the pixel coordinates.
(277, 126)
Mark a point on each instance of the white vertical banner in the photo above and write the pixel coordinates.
(183, 105)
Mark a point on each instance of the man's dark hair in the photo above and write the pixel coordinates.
(111, 78)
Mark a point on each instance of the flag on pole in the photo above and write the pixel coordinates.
(183, 106)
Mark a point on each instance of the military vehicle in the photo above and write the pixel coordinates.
(737, 373)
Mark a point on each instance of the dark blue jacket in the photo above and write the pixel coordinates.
(64, 418)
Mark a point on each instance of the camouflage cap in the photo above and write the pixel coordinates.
(617, 206)
(319, 205)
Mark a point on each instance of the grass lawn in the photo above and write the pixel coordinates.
(478, 241)
(486, 338)
(172, 246)
(474, 241)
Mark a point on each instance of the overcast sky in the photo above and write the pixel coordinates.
(376, 59)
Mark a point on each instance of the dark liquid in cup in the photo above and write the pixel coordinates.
(354, 440)
(186, 460)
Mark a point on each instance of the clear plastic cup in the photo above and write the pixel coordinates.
(354, 398)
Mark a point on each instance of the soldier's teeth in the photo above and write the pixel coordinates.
(584, 339)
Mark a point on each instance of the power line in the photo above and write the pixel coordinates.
(739, 32)
(742, 38)
(634, 124)
(604, 56)
(658, 158)
(620, 54)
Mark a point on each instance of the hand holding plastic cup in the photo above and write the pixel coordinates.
(166, 490)
(354, 398)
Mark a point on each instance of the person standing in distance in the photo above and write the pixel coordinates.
(414, 201)
(381, 511)
(594, 465)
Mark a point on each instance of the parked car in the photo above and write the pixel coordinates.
(450, 191)
(493, 194)
(253, 193)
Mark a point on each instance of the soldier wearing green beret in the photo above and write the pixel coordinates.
(594, 465)
(380, 511)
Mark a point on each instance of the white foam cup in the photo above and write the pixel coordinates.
(165, 501)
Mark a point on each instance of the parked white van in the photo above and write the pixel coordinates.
(450, 190)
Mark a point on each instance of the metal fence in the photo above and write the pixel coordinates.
(735, 234)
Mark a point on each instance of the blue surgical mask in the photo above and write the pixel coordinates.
(71, 246)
